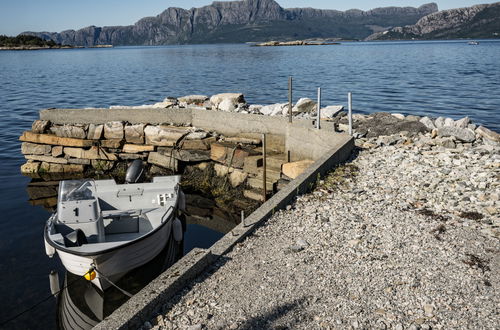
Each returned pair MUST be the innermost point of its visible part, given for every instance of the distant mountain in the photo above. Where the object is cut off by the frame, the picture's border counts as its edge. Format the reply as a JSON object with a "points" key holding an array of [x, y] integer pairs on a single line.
{"points": [[476, 22], [242, 21]]}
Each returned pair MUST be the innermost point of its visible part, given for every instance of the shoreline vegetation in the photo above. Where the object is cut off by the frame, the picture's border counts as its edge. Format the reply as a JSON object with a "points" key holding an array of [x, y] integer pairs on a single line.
{"points": [[26, 42]]}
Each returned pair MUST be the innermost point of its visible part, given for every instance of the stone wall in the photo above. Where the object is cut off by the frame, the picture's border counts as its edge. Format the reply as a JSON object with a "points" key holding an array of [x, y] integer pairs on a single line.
{"points": [[101, 147]]}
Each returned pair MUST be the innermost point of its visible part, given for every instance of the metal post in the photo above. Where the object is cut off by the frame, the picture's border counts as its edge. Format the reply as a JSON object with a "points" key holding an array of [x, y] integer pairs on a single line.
{"points": [[243, 218], [318, 119], [264, 167], [349, 103], [290, 82]]}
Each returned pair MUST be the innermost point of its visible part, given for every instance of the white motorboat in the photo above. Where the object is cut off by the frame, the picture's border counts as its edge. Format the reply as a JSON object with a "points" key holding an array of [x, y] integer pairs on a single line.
{"points": [[102, 230], [474, 43]]}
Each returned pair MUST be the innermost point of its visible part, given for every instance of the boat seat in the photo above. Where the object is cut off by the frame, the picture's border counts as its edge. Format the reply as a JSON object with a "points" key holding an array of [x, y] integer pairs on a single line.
{"points": [[75, 238]]}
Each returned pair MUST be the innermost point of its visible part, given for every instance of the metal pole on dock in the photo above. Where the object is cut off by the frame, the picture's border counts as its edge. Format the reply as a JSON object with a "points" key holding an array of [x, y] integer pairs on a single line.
{"points": [[349, 104], [318, 119], [290, 82], [264, 167]]}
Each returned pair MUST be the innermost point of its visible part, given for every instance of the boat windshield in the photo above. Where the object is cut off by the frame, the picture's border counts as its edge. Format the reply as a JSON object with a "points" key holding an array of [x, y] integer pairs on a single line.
{"points": [[76, 190]]}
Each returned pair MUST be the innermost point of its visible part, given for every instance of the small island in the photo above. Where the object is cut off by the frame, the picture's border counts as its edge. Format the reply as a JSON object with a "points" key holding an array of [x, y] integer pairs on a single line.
{"points": [[26, 42], [296, 43]]}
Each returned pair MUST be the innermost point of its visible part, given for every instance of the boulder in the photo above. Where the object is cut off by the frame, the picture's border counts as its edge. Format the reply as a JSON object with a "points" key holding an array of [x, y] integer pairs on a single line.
{"points": [[194, 145], [40, 126], [69, 131], [274, 109], [227, 105], [78, 161], [294, 169], [113, 130], [135, 133], [30, 167], [61, 168], [167, 103], [439, 122], [185, 155], [399, 116], [111, 144], [196, 135], [230, 154], [163, 161], [448, 122], [164, 136], [428, 123], [28, 148], [331, 111], [237, 177], [193, 99], [243, 140], [462, 134], [232, 100], [57, 151], [125, 156], [488, 134], [95, 132], [463, 123], [304, 105], [412, 118], [254, 108]]}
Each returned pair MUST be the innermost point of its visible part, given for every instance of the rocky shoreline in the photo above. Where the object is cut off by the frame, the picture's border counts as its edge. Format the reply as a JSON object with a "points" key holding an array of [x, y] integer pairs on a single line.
{"points": [[404, 236]]}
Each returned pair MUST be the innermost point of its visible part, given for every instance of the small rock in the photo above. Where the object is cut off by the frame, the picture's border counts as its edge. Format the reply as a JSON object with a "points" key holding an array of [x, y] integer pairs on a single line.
{"points": [[428, 309], [304, 105], [398, 116], [448, 122], [428, 123], [412, 118], [463, 123]]}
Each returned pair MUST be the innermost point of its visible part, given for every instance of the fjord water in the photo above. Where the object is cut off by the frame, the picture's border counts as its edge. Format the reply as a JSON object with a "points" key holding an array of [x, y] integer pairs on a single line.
{"points": [[423, 78]]}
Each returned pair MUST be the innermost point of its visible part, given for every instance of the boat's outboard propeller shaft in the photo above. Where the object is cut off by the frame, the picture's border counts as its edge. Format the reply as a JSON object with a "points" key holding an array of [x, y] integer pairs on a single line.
{"points": [[134, 172]]}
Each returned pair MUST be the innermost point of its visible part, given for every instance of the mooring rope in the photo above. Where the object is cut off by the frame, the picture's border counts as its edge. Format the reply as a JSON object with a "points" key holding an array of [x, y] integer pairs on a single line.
{"points": [[110, 282], [4, 322]]}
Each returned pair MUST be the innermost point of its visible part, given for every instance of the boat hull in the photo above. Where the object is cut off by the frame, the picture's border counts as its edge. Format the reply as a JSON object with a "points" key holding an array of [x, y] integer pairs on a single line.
{"points": [[115, 264]]}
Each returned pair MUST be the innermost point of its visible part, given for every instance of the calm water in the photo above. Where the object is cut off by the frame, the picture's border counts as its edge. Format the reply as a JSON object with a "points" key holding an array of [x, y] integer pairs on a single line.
{"points": [[431, 78]]}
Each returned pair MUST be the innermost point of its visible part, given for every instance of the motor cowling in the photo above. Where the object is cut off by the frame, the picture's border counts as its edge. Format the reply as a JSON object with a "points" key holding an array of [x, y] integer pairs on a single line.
{"points": [[134, 172]]}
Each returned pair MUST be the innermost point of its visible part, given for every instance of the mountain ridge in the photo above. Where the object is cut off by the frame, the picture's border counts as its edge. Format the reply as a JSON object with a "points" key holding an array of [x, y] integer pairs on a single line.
{"points": [[242, 21], [479, 21]]}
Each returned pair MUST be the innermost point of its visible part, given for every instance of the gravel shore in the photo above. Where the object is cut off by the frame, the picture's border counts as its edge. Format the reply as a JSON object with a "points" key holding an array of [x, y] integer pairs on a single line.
{"points": [[403, 236]]}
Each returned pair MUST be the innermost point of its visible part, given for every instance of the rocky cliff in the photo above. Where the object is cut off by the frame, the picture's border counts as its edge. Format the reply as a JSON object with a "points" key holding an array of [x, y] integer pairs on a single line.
{"points": [[242, 21], [480, 21]]}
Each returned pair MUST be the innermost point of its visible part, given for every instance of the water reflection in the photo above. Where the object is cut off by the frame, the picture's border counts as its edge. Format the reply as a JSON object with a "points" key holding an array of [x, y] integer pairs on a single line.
{"points": [[80, 305]]}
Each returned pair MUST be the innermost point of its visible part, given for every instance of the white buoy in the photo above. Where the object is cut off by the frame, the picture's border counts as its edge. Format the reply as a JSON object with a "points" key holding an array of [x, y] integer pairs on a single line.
{"points": [[54, 283], [177, 230]]}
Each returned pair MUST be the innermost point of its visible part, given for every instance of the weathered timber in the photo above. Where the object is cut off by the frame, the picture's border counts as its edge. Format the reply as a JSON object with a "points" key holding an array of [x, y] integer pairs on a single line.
{"points": [[134, 148], [48, 159], [54, 140], [92, 153]]}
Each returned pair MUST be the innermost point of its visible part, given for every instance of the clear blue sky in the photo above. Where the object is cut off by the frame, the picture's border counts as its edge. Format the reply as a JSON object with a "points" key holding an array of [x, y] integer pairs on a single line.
{"points": [[56, 15]]}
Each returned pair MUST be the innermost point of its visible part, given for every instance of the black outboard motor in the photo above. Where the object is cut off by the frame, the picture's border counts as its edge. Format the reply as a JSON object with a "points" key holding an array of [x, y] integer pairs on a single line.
{"points": [[134, 172]]}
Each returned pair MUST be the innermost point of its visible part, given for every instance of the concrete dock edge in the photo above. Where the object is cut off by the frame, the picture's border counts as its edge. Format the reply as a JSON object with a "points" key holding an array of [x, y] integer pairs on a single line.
{"points": [[149, 301]]}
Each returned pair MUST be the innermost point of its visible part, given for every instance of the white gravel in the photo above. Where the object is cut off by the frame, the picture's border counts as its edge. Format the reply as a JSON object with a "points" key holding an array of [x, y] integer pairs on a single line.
{"points": [[382, 243]]}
